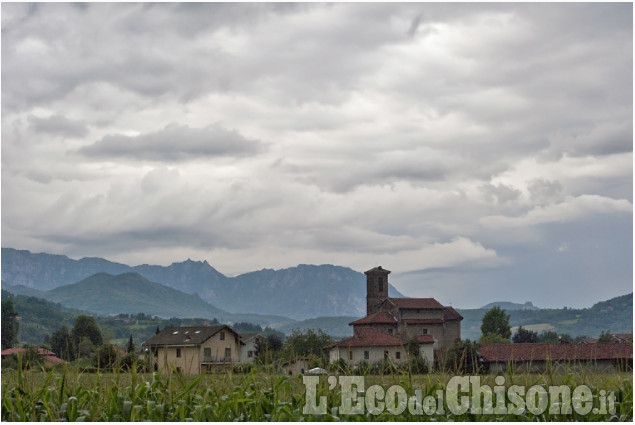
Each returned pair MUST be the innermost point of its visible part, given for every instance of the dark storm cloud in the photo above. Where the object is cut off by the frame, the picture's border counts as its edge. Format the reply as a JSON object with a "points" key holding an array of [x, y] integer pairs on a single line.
{"points": [[58, 125], [175, 143]]}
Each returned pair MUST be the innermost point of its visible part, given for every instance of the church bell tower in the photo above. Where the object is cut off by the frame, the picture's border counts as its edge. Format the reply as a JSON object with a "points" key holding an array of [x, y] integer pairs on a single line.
{"points": [[376, 288]]}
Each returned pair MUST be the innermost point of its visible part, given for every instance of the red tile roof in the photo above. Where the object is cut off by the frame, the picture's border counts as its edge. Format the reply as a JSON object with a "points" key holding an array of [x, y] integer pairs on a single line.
{"points": [[622, 338], [48, 355], [379, 318], [369, 337], [615, 339], [450, 314], [416, 303], [425, 339], [555, 352], [378, 268], [40, 351]]}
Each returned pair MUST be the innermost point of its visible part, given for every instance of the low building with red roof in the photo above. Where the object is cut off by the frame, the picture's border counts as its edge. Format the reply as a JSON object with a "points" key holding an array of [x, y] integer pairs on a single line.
{"points": [[540, 356], [47, 355]]}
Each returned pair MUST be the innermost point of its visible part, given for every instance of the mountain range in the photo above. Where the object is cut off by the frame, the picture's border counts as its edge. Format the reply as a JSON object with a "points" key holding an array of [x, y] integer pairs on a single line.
{"points": [[301, 292], [303, 297]]}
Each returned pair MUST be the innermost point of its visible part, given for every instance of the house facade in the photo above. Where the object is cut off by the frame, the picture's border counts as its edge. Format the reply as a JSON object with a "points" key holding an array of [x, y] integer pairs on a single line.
{"points": [[249, 346], [194, 349], [392, 323]]}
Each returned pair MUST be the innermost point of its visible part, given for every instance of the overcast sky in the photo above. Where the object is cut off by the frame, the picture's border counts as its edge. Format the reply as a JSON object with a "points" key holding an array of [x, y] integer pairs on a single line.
{"points": [[479, 151]]}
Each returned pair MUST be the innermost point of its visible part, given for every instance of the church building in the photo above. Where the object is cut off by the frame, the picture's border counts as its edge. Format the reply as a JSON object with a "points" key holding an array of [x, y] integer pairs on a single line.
{"points": [[391, 323]]}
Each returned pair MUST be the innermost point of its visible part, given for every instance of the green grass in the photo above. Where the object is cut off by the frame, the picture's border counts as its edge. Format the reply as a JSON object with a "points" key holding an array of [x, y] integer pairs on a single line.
{"points": [[68, 395]]}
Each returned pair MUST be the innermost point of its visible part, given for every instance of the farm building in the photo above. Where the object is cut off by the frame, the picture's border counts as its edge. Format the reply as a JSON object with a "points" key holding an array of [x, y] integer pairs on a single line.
{"points": [[538, 357]]}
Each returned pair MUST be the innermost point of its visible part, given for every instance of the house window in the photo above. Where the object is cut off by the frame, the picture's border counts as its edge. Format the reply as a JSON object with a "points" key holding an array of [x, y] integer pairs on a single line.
{"points": [[178, 352], [250, 354], [350, 355], [385, 355], [222, 336], [380, 281], [366, 355], [207, 354], [398, 355], [228, 352], [424, 331], [390, 331]]}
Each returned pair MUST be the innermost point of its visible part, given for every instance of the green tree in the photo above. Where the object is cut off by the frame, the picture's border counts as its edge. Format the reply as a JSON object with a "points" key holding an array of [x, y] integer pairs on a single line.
{"points": [[496, 322], [548, 336], [524, 335], [130, 349], [493, 339], [86, 327], [85, 348], [554, 338], [309, 343], [10, 324], [267, 348], [605, 336], [62, 344], [463, 358], [105, 357]]}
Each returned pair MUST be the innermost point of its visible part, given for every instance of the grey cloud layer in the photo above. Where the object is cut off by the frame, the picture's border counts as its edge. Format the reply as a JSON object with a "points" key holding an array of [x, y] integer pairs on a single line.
{"points": [[266, 135], [174, 143]]}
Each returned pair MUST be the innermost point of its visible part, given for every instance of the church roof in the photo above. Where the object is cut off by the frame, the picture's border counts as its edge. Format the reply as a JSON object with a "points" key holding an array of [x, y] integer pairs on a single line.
{"points": [[377, 269], [379, 318], [451, 314], [416, 303], [369, 337]]}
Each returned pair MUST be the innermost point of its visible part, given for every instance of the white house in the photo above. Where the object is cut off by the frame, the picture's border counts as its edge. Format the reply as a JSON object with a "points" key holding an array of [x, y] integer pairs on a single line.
{"points": [[250, 346]]}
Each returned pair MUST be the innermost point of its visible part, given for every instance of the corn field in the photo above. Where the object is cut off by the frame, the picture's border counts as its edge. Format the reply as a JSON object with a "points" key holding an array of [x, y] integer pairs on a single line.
{"points": [[260, 395]]}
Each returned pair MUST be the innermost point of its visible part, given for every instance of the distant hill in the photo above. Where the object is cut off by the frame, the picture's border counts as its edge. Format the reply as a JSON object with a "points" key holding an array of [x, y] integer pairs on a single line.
{"points": [[38, 317], [106, 294], [131, 293], [298, 292], [506, 305], [23, 290], [615, 315]]}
